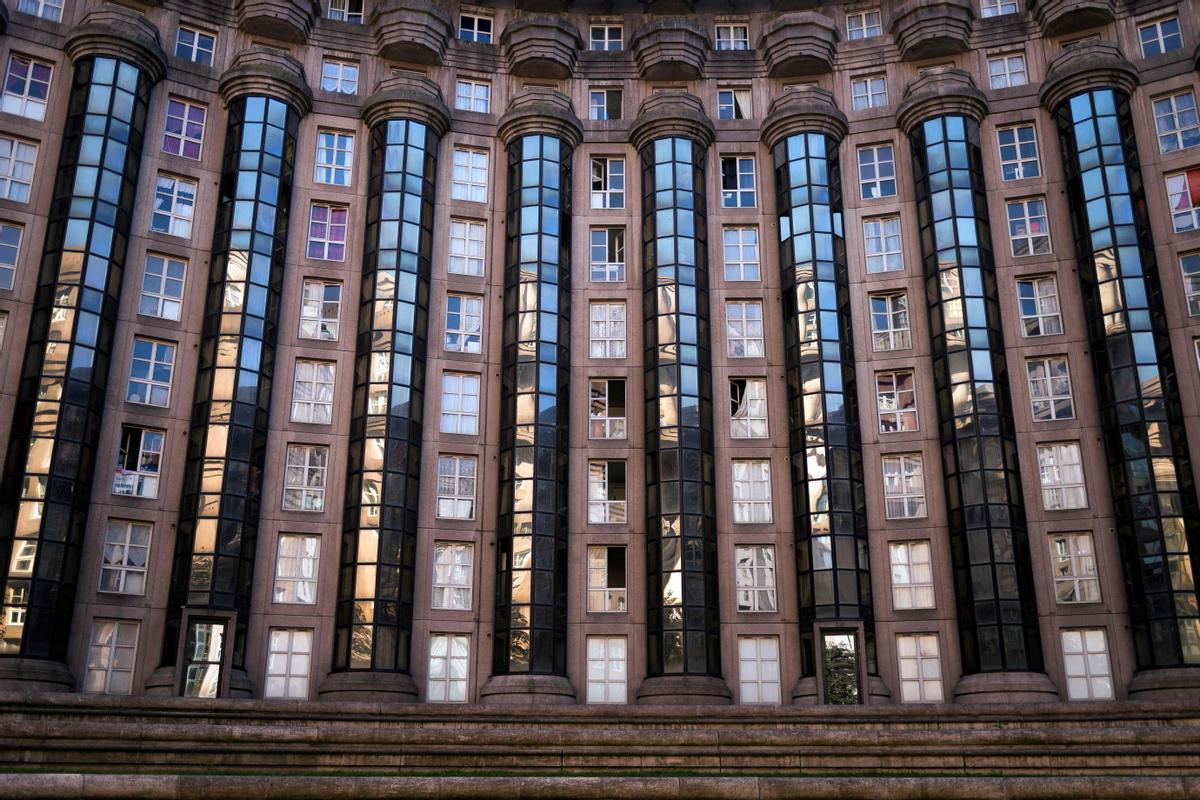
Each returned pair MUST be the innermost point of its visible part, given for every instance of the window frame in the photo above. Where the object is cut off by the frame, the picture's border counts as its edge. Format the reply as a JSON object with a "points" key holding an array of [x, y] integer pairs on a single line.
{"points": [[745, 335], [115, 558], [1073, 567], [898, 337], [1160, 39], [738, 247], [109, 663], [292, 586], [1006, 76], [27, 100], [752, 497], [467, 247], [605, 103], [441, 684], [755, 579], [474, 31], [609, 271], [144, 453], [743, 408], [1039, 317], [912, 577], [606, 479], [471, 100], [601, 672], [311, 406], [929, 688], [456, 402], [8, 269], [346, 14], [608, 335], [291, 655], [875, 188], [20, 167], [1023, 228], [458, 334], [883, 244], [602, 596], [315, 465], [332, 168], [1052, 397], [340, 76], [1191, 211], [606, 40], [321, 323], [185, 135], [1178, 132], [1086, 650], [448, 584], [901, 416], [461, 479], [736, 36], [868, 91], [905, 486], [163, 302], [610, 426], [755, 689], [1018, 167], [151, 381], [195, 48], [739, 195], [865, 26], [610, 195], [465, 184], [173, 187], [1054, 493]]}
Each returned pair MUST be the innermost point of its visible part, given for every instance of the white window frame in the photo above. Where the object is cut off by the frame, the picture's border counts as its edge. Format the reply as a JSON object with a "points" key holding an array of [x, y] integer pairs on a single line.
{"points": [[602, 597], [740, 249], [904, 486], [1184, 217], [125, 557], [473, 95], [1015, 161], [1086, 664], [289, 663], [297, 568], [883, 244], [1073, 567], [607, 241], [457, 475], [744, 192], [467, 253], [754, 578], [162, 287], [18, 162], [758, 670], [605, 103], [732, 36], [891, 324], [752, 500], [607, 668], [24, 103], [1029, 229], [1046, 311], [919, 662], [140, 482], [608, 182], [10, 249], [1159, 39], [313, 383], [748, 408], [864, 24], [912, 574], [734, 102], [453, 576], [1189, 272], [111, 659], [471, 27], [306, 476], [460, 403], [1176, 121], [345, 11], [1062, 478], [872, 182], [1007, 70], [608, 502], [195, 52], [184, 136], [1050, 396], [600, 424], [44, 9], [331, 245], [607, 329], [606, 39], [339, 76], [744, 331], [868, 91], [333, 163], [895, 402], [180, 208], [469, 178], [315, 322], [163, 355], [996, 8], [464, 324], [449, 668], [3, 326]]}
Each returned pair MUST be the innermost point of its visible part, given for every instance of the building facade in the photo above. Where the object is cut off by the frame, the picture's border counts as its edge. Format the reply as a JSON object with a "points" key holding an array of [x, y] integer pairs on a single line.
{"points": [[818, 353]]}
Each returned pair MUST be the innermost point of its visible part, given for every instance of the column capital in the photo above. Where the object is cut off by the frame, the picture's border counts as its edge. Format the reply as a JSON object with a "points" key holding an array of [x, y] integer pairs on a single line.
{"points": [[940, 90], [802, 109], [540, 109], [407, 95], [1087, 65], [671, 112], [265, 70], [118, 32]]}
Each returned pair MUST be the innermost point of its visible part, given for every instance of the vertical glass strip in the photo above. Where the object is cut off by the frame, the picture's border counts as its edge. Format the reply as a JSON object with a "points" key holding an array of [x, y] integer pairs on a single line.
{"points": [[531, 579], [682, 615], [379, 537], [1149, 468], [989, 542], [57, 420], [227, 446], [828, 492]]}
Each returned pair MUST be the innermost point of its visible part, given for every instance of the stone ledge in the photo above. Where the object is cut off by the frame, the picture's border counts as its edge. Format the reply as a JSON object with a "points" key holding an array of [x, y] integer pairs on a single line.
{"points": [[541, 46], [286, 20], [803, 43], [671, 49], [932, 28], [416, 31], [1061, 17], [1086, 66]]}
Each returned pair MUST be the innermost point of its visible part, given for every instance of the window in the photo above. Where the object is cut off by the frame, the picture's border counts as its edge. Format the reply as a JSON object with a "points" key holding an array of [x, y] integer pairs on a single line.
{"points": [[863, 25], [470, 175], [319, 309], [605, 37], [869, 91], [46, 9], [1062, 476], [3, 326], [839, 667], [606, 492], [195, 46], [452, 573], [996, 8], [312, 392], [10, 247], [174, 205], [912, 575], [606, 579], [741, 253], [904, 486], [1160, 36], [1189, 267], [335, 158], [473, 96], [608, 182], [449, 655], [744, 328], [755, 578], [1028, 228], [1183, 194], [1007, 71], [327, 232], [296, 562], [475, 28], [26, 87], [606, 415], [876, 171], [139, 458], [920, 668], [346, 11], [304, 477], [112, 654], [456, 487], [737, 182], [467, 247], [162, 287], [288, 657], [17, 161], [606, 335], [126, 548], [733, 104], [758, 669], [1085, 661], [889, 322], [1073, 564], [183, 131], [751, 491], [1018, 152], [896, 400], [202, 655], [339, 76], [747, 408], [460, 403], [1176, 122], [1050, 388], [733, 37], [881, 238], [604, 104], [464, 323], [606, 669], [150, 369], [607, 255], [1038, 299]]}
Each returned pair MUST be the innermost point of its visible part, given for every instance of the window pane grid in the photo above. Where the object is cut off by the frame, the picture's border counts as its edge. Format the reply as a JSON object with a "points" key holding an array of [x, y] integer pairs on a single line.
{"points": [[607, 330], [1050, 388], [755, 578], [889, 322], [452, 575], [456, 487], [1062, 476], [744, 329], [1040, 313], [904, 487], [296, 560], [751, 491], [1073, 564], [17, 161], [912, 575], [304, 478]]}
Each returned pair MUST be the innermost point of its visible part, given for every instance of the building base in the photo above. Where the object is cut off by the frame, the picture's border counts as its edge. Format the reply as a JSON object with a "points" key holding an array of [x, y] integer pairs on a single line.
{"points": [[371, 687], [1005, 687], [1172, 685], [34, 675], [527, 690], [161, 682], [684, 690]]}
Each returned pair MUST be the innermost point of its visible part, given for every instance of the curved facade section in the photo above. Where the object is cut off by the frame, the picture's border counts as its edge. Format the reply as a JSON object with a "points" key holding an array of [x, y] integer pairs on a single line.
{"points": [[58, 417], [1141, 409]]}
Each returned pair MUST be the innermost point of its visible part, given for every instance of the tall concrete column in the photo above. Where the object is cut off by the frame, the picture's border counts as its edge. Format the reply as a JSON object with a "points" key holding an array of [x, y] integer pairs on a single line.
{"points": [[1141, 412], [46, 490], [529, 656], [989, 540]]}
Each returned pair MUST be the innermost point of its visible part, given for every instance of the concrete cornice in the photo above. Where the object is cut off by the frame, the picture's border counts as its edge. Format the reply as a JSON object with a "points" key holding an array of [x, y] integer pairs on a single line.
{"points": [[266, 71], [1086, 66], [671, 112], [407, 95], [802, 109], [938, 91], [540, 110], [118, 32]]}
